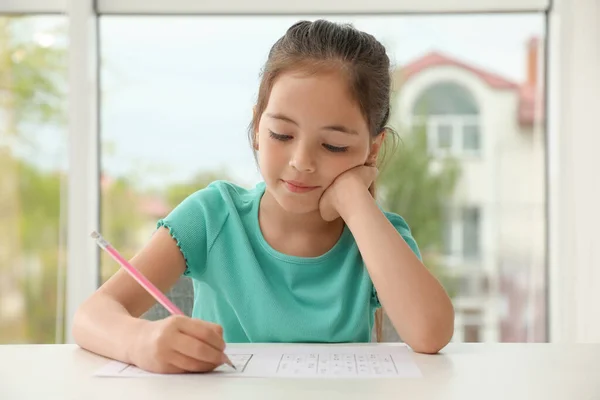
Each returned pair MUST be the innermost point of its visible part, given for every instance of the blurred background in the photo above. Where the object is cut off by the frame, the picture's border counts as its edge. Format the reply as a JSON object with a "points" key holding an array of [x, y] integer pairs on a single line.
{"points": [[175, 99]]}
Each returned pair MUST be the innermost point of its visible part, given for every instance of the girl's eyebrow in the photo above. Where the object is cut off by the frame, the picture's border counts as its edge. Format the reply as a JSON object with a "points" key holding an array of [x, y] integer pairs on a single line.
{"points": [[338, 128]]}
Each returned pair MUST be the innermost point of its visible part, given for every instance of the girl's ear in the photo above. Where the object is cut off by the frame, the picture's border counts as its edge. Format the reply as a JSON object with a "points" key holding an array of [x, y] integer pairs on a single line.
{"points": [[375, 147]]}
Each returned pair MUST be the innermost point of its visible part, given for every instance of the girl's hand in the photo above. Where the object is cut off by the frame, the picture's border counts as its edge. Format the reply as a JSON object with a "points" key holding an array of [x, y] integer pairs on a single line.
{"points": [[343, 187], [179, 344]]}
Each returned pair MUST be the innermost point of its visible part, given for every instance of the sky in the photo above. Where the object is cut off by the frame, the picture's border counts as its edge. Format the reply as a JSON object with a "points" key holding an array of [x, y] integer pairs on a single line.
{"points": [[177, 92]]}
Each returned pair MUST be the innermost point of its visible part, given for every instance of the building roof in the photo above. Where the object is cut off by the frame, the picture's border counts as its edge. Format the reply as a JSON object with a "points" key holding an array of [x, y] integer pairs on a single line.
{"points": [[528, 96], [437, 59]]}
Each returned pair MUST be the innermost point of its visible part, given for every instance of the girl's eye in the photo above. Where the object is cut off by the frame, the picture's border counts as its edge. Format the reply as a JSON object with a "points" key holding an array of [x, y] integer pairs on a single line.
{"points": [[284, 138], [335, 149], [277, 136]]}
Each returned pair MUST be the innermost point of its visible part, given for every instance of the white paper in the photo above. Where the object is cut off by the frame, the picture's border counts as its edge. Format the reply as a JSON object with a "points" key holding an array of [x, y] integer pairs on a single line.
{"points": [[301, 361]]}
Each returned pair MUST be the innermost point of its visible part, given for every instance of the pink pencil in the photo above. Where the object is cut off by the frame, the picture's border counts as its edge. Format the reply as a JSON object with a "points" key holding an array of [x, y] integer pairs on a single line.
{"points": [[135, 274], [141, 279]]}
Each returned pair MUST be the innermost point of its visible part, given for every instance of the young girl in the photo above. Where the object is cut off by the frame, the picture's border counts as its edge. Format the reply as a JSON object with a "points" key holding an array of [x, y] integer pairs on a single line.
{"points": [[305, 256]]}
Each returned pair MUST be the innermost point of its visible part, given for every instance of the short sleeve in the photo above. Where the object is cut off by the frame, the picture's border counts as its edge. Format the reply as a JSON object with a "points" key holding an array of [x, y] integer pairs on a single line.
{"points": [[190, 225], [404, 230]]}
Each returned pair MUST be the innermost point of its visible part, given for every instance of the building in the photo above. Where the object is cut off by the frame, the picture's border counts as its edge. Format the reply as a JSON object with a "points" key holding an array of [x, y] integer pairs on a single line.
{"points": [[495, 230]]}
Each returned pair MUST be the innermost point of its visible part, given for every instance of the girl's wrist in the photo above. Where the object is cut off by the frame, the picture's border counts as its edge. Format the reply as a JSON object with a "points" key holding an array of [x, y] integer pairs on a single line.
{"points": [[138, 325], [351, 197]]}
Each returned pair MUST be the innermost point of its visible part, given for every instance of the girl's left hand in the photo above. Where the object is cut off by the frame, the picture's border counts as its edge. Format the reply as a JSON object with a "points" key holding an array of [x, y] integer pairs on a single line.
{"points": [[343, 187]]}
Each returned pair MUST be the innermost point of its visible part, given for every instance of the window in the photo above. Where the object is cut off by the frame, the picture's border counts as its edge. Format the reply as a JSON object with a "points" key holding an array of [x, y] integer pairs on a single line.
{"points": [[447, 233], [471, 233], [184, 86], [32, 178], [444, 136], [471, 141], [462, 234], [446, 98], [441, 30], [452, 135], [450, 113], [472, 333]]}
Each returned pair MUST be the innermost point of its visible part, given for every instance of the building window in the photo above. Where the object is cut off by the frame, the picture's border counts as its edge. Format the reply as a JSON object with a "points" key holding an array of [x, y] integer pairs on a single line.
{"points": [[471, 222], [455, 135], [472, 334], [446, 98], [447, 231], [450, 114], [471, 138], [444, 136], [462, 234]]}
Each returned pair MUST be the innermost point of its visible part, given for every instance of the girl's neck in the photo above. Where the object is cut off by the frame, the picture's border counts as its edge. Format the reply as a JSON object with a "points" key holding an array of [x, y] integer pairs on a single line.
{"points": [[273, 214], [314, 235]]}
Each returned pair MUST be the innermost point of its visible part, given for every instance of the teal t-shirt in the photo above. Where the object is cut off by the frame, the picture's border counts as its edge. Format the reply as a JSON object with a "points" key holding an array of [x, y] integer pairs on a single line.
{"points": [[260, 295]]}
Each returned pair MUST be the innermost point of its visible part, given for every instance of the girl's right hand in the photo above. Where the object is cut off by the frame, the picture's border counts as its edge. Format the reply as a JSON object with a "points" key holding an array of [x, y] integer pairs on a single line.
{"points": [[178, 344]]}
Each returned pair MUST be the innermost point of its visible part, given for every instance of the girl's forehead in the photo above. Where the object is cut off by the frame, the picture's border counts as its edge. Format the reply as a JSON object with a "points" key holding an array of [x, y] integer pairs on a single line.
{"points": [[329, 90]]}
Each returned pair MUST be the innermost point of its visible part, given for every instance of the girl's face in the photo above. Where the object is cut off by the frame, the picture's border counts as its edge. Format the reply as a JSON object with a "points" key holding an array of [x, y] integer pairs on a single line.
{"points": [[310, 132]]}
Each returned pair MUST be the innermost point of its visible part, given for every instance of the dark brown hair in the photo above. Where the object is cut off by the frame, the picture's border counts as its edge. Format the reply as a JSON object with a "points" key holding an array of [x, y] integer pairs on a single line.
{"points": [[323, 46]]}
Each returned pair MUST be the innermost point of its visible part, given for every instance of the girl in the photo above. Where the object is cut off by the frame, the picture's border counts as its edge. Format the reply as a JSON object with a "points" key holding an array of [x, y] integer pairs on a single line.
{"points": [[305, 256]]}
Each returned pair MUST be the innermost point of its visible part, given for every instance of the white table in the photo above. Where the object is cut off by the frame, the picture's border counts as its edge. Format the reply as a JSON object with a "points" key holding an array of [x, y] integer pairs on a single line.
{"points": [[461, 371]]}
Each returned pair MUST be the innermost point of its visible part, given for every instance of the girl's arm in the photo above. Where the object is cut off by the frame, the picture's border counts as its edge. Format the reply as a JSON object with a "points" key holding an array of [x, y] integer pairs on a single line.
{"points": [[107, 323], [414, 300]]}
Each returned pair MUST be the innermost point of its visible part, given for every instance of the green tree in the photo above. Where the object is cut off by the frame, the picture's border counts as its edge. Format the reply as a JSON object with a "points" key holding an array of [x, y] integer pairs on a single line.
{"points": [[176, 193], [121, 221], [418, 186], [121, 217], [42, 250], [32, 93], [126, 224]]}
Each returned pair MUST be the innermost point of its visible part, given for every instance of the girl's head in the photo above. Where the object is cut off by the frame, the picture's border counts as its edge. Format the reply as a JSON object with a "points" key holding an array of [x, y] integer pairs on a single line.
{"points": [[322, 108]]}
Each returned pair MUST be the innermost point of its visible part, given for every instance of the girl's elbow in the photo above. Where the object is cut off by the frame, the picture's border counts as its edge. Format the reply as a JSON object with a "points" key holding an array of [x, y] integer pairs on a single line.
{"points": [[435, 339], [429, 346], [77, 327], [82, 323]]}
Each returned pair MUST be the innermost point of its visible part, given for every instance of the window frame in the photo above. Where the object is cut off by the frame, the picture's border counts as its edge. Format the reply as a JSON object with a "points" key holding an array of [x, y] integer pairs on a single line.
{"points": [[571, 67], [275, 7], [457, 123]]}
